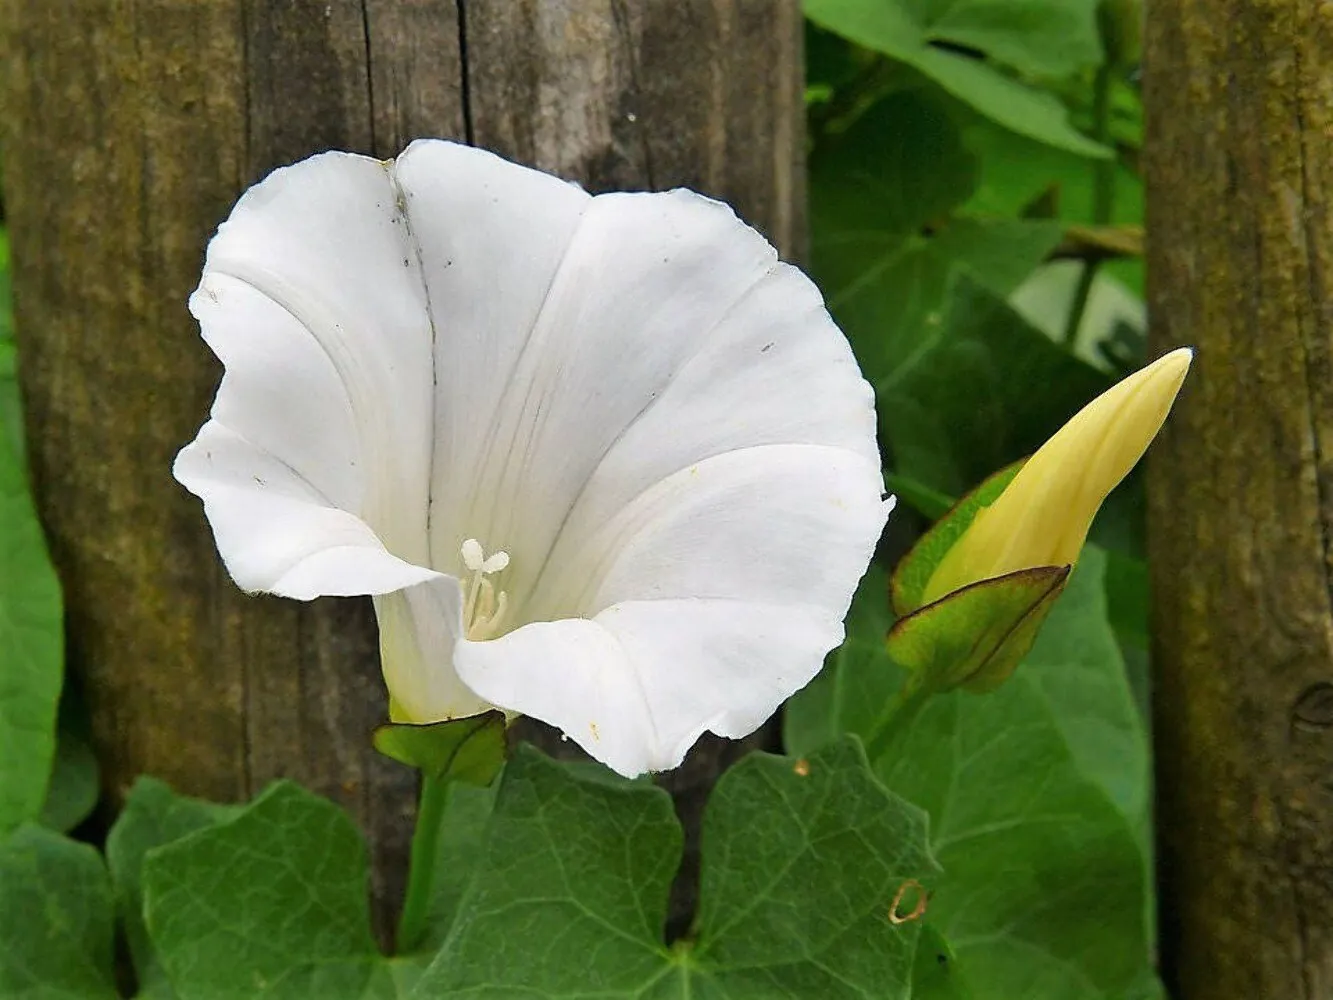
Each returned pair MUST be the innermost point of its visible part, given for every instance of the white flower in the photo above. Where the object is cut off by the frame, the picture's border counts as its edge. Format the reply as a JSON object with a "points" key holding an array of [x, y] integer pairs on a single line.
{"points": [[602, 461]]}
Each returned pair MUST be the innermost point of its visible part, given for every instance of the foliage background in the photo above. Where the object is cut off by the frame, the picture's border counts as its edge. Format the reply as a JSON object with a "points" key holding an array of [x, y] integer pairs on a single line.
{"points": [[975, 209]]}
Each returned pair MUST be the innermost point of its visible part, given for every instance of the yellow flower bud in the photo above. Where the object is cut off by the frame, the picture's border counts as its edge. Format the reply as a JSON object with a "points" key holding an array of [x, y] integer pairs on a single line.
{"points": [[1043, 515]]}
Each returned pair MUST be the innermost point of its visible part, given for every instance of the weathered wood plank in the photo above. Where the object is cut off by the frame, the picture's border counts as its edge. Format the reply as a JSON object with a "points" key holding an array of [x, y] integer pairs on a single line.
{"points": [[624, 95], [129, 130], [1239, 163]]}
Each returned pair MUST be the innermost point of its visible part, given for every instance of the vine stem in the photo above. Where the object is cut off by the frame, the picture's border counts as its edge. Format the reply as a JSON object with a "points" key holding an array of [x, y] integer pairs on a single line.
{"points": [[905, 708], [421, 866], [1103, 195]]}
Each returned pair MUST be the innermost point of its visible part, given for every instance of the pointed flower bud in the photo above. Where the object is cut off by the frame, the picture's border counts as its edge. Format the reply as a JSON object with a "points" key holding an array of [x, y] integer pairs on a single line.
{"points": [[1043, 515]]}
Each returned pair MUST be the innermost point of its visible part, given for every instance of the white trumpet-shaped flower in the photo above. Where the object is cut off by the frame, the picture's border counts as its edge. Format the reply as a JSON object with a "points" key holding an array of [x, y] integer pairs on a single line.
{"points": [[603, 461]]}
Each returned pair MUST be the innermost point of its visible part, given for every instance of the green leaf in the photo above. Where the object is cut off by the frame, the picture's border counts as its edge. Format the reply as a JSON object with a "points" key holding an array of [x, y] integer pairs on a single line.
{"points": [[900, 165], [964, 405], [1039, 37], [280, 914], [154, 815], [1031, 113], [803, 910], [849, 694], [1127, 597], [830, 60], [349, 979], [1076, 663], [875, 189], [73, 790], [897, 30], [872, 189], [1045, 889], [570, 900], [56, 919], [471, 750], [233, 908], [32, 645], [912, 574], [996, 254], [1013, 171], [462, 841], [935, 973], [974, 638], [1127, 605]]}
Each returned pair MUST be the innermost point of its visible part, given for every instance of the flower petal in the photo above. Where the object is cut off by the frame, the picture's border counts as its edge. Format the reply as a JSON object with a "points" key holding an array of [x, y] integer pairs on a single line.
{"points": [[491, 236], [788, 524], [650, 425], [276, 532], [776, 372], [719, 665], [271, 359], [419, 628], [312, 296], [571, 674], [561, 319], [637, 685], [718, 593], [635, 335]]}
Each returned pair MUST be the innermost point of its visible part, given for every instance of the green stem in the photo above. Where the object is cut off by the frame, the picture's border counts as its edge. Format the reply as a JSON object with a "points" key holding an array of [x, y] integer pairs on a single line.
{"points": [[421, 868], [906, 707], [1103, 195]]}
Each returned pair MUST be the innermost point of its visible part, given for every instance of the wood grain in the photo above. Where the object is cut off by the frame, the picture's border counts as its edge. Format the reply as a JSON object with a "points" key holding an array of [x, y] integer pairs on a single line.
{"points": [[130, 127], [1239, 164], [624, 95]]}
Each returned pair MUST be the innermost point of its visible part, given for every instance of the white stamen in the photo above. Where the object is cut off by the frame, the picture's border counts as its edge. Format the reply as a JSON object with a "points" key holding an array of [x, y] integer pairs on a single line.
{"points": [[483, 607], [489, 627], [474, 557]]}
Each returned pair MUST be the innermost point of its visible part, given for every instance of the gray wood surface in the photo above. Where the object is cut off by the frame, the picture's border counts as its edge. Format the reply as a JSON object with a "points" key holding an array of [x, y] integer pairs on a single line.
{"points": [[129, 128]]}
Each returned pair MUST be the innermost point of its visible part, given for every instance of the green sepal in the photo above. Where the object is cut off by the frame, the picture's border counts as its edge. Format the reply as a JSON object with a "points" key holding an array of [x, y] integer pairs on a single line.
{"points": [[470, 750], [975, 638], [914, 570]]}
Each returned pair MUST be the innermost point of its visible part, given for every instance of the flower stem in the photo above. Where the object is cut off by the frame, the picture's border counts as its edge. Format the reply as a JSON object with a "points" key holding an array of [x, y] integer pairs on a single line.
{"points": [[1103, 194], [421, 867], [904, 710]]}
